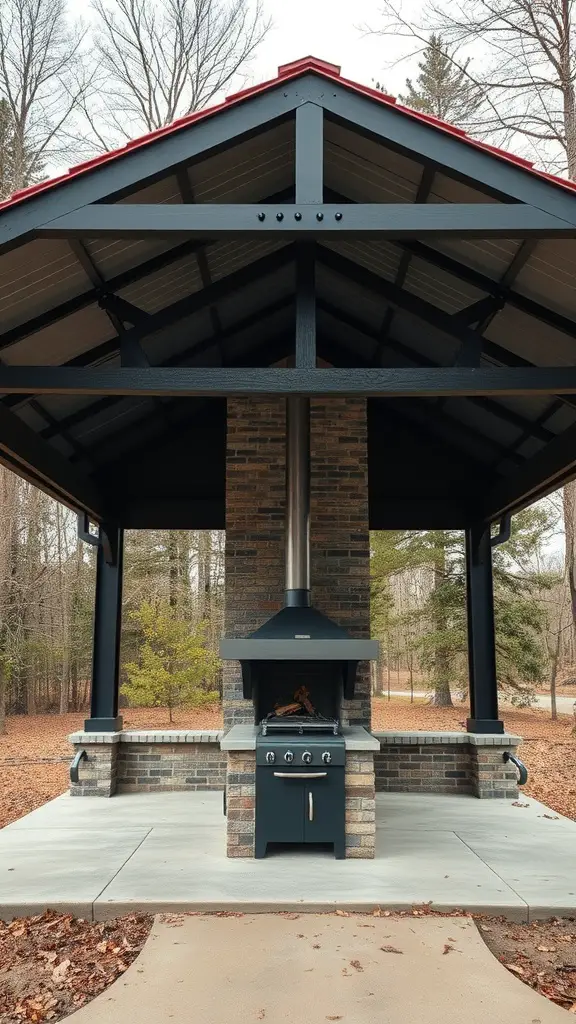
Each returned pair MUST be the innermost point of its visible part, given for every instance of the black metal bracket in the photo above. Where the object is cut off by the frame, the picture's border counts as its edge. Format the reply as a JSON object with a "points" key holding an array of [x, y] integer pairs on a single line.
{"points": [[522, 769], [503, 531], [80, 756], [106, 538], [84, 530]]}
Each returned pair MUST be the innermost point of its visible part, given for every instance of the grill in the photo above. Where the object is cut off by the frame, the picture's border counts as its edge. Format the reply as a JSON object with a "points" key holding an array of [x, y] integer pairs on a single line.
{"points": [[300, 724], [300, 784]]}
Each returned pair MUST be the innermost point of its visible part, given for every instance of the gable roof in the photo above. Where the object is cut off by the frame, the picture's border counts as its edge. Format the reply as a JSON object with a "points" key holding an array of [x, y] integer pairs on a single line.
{"points": [[286, 72], [230, 302]]}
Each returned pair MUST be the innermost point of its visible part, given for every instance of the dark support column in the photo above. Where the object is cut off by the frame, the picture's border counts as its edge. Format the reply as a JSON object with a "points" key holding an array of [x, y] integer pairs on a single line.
{"points": [[107, 621], [481, 644]]}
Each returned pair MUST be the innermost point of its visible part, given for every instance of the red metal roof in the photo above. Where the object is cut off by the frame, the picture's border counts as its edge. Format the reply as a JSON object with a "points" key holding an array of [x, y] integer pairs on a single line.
{"points": [[285, 73]]}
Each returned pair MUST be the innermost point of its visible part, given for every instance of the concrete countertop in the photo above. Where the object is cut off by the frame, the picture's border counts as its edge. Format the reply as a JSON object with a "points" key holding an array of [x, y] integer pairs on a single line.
{"points": [[243, 737]]}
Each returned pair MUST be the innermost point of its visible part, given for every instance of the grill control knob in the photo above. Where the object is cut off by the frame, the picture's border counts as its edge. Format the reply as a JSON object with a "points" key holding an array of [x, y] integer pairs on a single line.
{"points": [[289, 756], [307, 757], [270, 756], [326, 757]]}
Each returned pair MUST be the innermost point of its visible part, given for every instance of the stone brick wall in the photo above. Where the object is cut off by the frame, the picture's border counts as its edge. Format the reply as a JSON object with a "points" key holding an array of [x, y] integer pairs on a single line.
{"points": [[446, 763], [424, 769], [255, 502], [141, 762], [240, 803], [360, 805], [144, 767]]}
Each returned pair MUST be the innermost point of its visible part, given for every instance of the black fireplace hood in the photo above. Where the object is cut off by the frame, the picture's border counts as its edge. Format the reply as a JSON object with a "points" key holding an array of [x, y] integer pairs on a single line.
{"points": [[299, 632]]}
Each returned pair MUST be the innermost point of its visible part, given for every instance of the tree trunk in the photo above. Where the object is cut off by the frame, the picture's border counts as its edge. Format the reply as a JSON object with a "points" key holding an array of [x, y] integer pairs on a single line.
{"points": [[442, 661], [569, 510]]}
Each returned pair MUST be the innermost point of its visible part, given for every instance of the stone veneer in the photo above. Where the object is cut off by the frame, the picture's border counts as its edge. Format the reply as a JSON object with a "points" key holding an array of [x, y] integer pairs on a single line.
{"points": [[360, 805], [419, 762], [240, 803], [142, 762], [255, 503]]}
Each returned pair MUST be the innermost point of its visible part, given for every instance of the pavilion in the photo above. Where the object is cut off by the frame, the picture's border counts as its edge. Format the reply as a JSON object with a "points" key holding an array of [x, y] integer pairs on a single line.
{"points": [[307, 236]]}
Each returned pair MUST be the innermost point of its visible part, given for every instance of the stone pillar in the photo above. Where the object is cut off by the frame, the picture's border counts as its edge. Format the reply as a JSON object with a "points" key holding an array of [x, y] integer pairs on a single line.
{"points": [[97, 771], [255, 503], [240, 803], [360, 805], [492, 777]]}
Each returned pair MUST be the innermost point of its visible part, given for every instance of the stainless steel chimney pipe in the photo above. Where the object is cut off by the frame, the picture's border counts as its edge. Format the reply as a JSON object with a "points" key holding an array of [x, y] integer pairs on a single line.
{"points": [[297, 502]]}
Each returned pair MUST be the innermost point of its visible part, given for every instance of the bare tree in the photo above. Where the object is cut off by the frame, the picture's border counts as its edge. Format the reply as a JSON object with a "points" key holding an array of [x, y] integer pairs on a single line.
{"points": [[162, 59], [42, 77], [521, 54]]}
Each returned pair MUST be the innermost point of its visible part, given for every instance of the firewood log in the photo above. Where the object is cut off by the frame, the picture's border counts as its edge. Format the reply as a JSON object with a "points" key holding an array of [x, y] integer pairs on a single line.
{"points": [[288, 709], [302, 695]]}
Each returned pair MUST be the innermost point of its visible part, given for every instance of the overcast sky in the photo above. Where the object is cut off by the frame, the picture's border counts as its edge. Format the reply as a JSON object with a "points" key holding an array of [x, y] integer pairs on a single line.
{"points": [[330, 29]]}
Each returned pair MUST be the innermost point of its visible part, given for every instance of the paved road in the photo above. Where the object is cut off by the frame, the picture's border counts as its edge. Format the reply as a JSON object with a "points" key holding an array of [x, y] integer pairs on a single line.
{"points": [[565, 705], [304, 967]]}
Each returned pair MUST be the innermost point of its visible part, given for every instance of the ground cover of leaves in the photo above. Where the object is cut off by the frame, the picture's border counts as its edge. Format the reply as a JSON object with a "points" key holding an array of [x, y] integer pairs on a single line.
{"points": [[541, 954], [50, 965]]}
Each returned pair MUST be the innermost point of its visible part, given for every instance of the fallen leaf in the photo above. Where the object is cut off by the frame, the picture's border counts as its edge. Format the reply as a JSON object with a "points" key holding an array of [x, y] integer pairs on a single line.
{"points": [[447, 948], [552, 817], [356, 965], [261, 1014], [59, 972], [572, 1009], [315, 945], [517, 803], [391, 949], [337, 1017], [102, 946], [49, 956], [515, 969], [342, 913], [546, 949]]}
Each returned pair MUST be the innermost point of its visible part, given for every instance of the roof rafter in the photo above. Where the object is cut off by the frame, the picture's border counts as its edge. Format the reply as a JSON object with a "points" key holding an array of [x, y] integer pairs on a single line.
{"points": [[494, 408]]}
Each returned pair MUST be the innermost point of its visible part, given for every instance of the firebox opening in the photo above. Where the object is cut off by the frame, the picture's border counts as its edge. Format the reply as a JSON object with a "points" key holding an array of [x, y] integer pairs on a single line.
{"points": [[276, 684]]}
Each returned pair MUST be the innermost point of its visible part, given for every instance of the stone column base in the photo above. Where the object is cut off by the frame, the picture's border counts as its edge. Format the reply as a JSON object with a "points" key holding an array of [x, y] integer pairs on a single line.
{"points": [[240, 803], [97, 771], [493, 777], [360, 805]]}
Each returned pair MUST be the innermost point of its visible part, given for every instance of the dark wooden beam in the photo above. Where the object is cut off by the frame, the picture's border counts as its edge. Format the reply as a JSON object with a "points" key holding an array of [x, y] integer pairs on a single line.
{"points": [[372, 382], [306, 306], [496, 409], [499, 289], [309, 169], [376, 220], [549, 469], [24, 451]]}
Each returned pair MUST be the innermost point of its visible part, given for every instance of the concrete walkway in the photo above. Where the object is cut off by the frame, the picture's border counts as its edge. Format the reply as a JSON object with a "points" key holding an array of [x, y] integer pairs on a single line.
{"points": [[313, 969], [98, 857], [564, 705]]}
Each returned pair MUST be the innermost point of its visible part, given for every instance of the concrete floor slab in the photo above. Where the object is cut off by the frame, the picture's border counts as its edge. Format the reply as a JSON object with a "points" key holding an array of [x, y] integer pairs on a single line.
{"points": [[545, 879], [172, 870], [61, 868], [316, 969], [167, 851]]}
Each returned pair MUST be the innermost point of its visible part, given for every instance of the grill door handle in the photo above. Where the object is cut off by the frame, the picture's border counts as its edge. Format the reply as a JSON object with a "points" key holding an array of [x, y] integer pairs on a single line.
{"points": [[310, 806], [300, 775]]}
